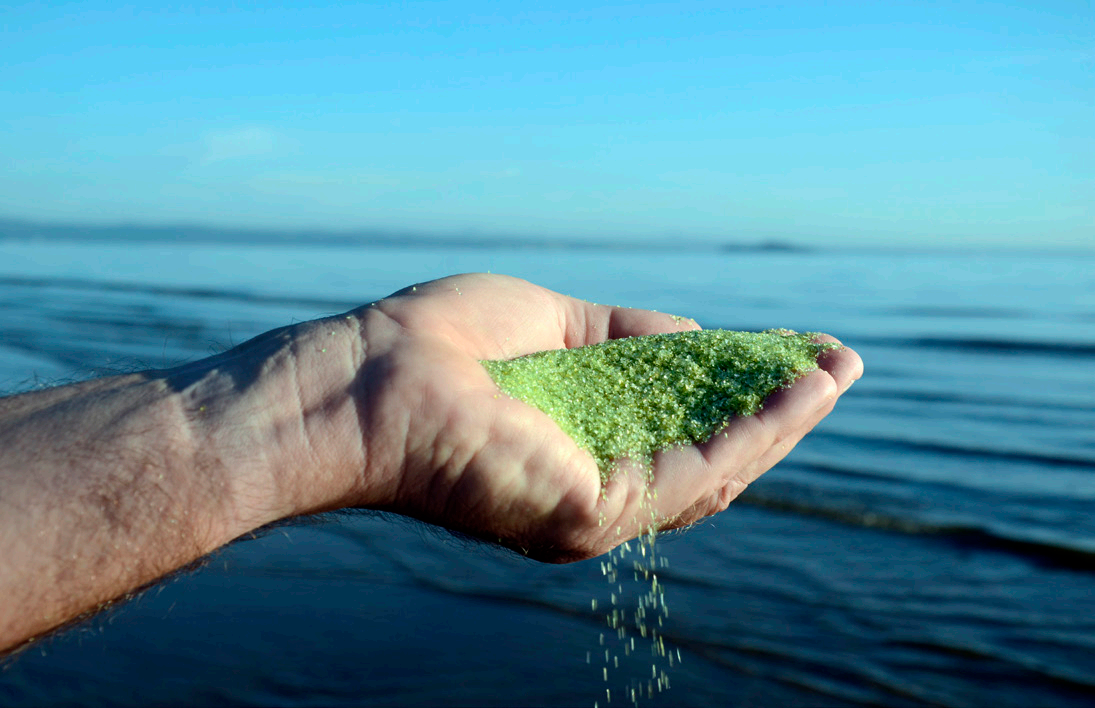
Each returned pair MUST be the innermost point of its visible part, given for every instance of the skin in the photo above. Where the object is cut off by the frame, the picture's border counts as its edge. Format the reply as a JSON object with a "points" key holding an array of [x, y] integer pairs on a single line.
{"points": [[107, 485]]}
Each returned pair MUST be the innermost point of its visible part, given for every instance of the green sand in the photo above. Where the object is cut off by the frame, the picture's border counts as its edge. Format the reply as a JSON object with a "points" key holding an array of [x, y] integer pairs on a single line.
{"points": [[635, 396]]}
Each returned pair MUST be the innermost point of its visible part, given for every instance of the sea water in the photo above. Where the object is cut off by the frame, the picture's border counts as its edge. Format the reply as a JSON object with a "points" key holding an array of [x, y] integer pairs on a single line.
{"points": [[932, 542]]}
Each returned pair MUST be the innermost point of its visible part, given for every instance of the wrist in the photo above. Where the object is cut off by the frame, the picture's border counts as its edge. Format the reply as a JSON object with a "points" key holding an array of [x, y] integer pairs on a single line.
{"points": [[275, 420]]}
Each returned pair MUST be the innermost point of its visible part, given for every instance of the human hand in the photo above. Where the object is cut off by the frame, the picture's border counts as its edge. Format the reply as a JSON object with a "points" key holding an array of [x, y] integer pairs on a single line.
{"points": [[442, 444], [120, 480]]}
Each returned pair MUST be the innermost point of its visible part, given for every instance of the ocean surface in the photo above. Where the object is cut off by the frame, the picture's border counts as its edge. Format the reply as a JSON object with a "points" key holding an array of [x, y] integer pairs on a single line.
{"points": [[932, 542]]}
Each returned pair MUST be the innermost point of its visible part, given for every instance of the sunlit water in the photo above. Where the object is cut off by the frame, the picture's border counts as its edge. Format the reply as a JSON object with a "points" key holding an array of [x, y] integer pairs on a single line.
{"points": [[932, 542]]}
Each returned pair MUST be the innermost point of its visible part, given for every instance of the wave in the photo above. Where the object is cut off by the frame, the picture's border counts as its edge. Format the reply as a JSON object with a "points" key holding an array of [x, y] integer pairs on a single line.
{"points": [[962, 451], [1030, 527], [959, 312], [169, 291], [972, 536], [920, 396], [984, 345]]}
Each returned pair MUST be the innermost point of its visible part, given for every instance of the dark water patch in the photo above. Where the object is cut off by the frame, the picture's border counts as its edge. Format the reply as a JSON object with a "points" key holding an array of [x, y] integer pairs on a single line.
{"points": [[799, 591], [1040, 421], [79, 284], [141, 320], [960, 312], [842, 474], [822, 683], [968, 312], [995, 347], [89, 327], [1015, 633], [1042, 553], [79, 358], [922, 396], [111, 338], [896, 446], [1042, 669]]}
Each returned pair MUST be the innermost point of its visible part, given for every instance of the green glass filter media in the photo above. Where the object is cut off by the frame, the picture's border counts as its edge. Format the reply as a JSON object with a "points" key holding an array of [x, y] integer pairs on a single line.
{"points": [[631, 398], [635, 396]]}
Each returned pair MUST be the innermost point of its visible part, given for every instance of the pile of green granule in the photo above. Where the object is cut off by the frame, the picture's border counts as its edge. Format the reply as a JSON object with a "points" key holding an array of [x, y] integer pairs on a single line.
{"points": [[635, 396]]}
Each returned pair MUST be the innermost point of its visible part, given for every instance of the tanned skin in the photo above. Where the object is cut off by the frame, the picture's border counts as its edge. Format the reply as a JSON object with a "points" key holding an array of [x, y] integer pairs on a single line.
{"points": [[108, 485]]}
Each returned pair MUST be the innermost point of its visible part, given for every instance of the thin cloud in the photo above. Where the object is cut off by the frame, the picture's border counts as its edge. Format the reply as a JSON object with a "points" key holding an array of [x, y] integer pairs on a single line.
{"points": [[252, 141]]}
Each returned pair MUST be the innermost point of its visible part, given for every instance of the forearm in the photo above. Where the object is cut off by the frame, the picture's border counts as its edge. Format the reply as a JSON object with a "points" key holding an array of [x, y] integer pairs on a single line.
{"points": [[93, 498], [109, 484]]}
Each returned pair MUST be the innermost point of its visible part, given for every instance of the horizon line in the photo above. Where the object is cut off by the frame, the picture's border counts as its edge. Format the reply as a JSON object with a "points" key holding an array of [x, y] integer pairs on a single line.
{"points": [[29, 230]]}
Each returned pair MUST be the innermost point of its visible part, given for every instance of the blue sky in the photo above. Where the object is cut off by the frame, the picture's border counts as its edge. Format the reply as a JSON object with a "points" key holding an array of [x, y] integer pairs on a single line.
{"points": [[951, 123]]}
